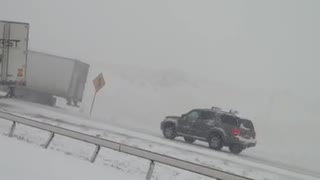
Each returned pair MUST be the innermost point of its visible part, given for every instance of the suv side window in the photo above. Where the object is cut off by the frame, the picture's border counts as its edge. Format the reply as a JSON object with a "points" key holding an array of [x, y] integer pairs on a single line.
{"points": [[206, 115], [193, 115]]}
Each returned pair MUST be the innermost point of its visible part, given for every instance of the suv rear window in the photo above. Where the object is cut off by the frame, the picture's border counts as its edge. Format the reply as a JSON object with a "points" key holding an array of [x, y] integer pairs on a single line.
{"points": [[231, 120], [247, 123]]}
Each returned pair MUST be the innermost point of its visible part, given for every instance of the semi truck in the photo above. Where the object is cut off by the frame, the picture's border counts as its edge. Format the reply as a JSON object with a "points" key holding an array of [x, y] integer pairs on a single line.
{"points": [[13, 52], [37, 76]]}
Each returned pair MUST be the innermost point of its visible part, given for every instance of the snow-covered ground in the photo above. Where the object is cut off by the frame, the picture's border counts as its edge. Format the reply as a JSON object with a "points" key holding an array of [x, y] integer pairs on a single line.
{"points": [[24, 161], [119, 162], [117, 165], [243, 165]]}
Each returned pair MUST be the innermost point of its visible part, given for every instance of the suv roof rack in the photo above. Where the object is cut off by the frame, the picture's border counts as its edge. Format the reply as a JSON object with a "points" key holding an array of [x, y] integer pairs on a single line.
{"points": [[220, 110], [215, 108], [235, 112]]}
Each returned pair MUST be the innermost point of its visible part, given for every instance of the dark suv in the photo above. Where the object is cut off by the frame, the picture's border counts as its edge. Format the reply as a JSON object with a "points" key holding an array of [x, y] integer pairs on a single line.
{"points": [[214, 126]]}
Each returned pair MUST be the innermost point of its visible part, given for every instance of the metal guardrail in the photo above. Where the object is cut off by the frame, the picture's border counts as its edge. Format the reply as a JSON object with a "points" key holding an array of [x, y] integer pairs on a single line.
{"points": [[142, 153]]}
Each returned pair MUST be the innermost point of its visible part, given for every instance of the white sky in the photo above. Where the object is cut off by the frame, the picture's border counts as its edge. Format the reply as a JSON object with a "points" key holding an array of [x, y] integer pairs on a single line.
{"points": [[270, 44]]}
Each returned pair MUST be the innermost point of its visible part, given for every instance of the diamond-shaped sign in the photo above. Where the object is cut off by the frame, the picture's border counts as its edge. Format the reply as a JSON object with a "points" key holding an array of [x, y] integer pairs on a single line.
{"points": [[99, 82]]}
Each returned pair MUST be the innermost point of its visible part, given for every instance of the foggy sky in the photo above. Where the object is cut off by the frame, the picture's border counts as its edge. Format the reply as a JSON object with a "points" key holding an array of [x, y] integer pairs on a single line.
{"points": [[270, 44]]}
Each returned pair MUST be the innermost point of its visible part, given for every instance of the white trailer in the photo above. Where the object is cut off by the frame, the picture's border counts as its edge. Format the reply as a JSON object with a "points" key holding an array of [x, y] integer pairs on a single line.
{"points": [[56, 75], [13, 52], [37, 76]]}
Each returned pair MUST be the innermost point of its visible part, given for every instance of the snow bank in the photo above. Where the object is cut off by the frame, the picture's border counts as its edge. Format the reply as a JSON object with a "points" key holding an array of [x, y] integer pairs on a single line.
{"points": [[20, 160]]}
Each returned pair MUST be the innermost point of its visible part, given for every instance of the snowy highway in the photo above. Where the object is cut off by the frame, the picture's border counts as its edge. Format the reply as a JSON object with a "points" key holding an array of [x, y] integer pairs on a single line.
{"points": [[109, 79], [245, 165]]}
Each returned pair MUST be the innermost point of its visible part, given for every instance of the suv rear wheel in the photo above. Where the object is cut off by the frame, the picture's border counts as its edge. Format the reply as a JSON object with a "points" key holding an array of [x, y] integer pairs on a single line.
{"points": [[169, 131], [215, 142], [235, 148], [189, 140]]}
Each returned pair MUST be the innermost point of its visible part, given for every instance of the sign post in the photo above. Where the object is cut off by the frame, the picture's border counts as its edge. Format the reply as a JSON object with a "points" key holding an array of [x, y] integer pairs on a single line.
{"points": [[94, 99], [98, 83]]}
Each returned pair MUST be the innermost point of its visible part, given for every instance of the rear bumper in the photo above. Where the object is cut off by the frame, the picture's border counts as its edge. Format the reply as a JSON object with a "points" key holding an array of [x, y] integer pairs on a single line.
{"points": [[246, 143], [250, 145]]}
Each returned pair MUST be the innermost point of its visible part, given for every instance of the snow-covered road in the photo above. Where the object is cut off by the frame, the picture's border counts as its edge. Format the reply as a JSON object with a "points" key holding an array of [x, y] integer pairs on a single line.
{"points": [[244, 165]]}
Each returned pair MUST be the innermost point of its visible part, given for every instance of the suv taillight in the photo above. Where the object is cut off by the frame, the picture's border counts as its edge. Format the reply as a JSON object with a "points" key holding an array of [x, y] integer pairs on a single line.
{"points": [[235, 131]]}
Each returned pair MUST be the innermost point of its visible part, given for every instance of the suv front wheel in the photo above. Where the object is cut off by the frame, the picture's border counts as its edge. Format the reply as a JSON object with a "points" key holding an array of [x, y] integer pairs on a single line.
{"points": [[215, 142], [169, 132]]}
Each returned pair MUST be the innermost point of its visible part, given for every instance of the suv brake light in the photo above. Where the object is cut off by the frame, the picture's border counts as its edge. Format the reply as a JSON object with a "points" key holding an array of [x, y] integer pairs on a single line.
{"points": [[235, 131]]}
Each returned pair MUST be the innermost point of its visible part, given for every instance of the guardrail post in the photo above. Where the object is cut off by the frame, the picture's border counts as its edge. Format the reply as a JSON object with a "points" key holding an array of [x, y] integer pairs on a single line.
{"points": [[95, 154], [150, 171], [49, 141], [13, 127]]}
